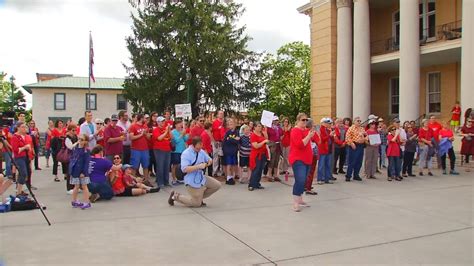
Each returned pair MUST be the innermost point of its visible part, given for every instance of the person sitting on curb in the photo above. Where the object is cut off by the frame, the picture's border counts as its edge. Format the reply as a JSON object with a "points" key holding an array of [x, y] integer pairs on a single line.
{"points": [[194, 160]]}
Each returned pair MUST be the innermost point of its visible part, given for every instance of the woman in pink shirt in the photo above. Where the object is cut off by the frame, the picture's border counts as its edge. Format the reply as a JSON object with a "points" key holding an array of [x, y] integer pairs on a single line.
{"points": [[300, 158], [393, 154], [446, 139]]}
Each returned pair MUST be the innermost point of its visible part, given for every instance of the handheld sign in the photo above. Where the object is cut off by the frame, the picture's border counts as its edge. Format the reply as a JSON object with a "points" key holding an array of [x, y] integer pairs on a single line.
{"points": [[267, 118], [183, 110]]}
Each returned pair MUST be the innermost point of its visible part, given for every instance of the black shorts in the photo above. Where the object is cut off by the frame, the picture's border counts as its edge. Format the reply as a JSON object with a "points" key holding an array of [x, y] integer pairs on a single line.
{"points": [[175, 158], [244, 161], [126, 193]]}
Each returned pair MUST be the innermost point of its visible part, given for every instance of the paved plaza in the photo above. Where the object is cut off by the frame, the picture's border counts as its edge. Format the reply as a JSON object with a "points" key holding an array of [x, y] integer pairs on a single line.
{"points": [[421, 220]]}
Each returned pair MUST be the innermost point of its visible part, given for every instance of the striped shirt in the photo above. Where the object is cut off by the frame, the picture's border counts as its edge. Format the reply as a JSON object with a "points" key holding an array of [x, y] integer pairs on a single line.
{"points": [[244, 146]]}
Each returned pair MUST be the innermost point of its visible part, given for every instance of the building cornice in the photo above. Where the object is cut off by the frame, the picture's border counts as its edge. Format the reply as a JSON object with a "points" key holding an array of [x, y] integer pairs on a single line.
{"points": [[343, 3], [306, 9]]}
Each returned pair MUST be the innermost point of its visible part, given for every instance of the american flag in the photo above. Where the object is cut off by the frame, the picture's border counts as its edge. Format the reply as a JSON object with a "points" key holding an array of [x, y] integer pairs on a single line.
{"points": [[91, 58]]}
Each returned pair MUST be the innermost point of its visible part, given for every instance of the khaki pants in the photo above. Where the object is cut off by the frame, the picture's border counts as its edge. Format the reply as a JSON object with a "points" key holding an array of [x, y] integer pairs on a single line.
{"points": [[371, 158], [285, 151], [196, 195]]}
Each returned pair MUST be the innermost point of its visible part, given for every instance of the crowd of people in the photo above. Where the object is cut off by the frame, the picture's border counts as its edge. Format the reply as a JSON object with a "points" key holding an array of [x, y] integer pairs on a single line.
{"points": [[133, 156]]}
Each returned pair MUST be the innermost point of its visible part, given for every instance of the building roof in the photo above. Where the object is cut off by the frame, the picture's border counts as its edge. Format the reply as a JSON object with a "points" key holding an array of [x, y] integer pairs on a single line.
{"points": [[77, 83]]}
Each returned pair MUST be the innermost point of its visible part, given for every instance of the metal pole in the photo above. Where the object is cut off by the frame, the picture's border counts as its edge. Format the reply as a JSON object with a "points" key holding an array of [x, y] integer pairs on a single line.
{"points": [[12, 78], [88, 98], [188, 85]]}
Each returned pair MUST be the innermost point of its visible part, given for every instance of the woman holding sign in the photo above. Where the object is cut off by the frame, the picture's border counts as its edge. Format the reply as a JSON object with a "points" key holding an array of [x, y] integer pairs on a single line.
{"points": [[372, 150]]}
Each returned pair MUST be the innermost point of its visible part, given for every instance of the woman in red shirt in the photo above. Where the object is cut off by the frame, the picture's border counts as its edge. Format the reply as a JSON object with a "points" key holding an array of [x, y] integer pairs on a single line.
{"points": [[467, 133], [47, 145], [258, 156], [426, 148], [285, 145], [393, 154], [162, 149], [57, 141], [446, 140], [300, 158], [21, 148], [371, 151]]}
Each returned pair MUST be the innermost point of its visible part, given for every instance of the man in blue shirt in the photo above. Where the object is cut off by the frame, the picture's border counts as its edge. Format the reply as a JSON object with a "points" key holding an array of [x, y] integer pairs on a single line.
{"points": [[193, 161]]}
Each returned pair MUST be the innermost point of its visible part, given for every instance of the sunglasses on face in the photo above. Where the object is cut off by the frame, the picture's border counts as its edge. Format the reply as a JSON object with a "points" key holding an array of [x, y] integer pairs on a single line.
{"points": [[116, 158], [202, 121], [359, 121], [304, 120], [99, 123]]}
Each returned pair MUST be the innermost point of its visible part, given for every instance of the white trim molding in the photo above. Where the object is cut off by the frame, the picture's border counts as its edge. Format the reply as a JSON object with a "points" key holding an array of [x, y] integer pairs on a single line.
{"points": [[305, 9]]}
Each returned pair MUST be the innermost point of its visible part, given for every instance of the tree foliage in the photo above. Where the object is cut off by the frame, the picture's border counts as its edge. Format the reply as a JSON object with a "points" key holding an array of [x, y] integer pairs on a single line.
{"points": [[19, 101], [284, 81], [173, 38]]}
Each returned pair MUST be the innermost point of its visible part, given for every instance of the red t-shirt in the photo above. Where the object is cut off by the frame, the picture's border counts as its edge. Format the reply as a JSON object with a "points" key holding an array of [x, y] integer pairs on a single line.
{"points": [[446, 133], [456, 113], [425, 134], [170, 123], [114, 148], [393, 148], [218, 130], [285, 141], [102, 141], [206, 142], [18, 142], [256, 153], [435, 127], [56, 133], [118, 187], [196, 131], [165, 143], [299, 151], [141, 143]]}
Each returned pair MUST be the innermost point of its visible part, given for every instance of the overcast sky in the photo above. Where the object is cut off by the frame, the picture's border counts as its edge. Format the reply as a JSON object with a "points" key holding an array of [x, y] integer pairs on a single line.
{"points": [[51, 36]]}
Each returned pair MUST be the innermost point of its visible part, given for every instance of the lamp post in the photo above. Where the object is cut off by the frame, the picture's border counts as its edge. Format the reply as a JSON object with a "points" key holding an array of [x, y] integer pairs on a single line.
{"points": [[12, 79], [189, 85]]}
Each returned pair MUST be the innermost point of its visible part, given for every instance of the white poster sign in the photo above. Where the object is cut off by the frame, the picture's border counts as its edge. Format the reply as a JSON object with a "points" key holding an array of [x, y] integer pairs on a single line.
{"points": [[183, 110], [374, 139], [267, 118]]}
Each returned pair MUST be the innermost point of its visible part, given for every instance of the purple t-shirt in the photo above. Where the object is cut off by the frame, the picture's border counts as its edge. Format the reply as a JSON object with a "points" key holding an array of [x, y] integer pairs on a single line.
{"points": [[274, 133], [97, 169], [114, 148]]}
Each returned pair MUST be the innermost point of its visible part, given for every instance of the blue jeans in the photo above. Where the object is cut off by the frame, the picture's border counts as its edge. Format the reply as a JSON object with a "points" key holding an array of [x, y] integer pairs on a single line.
{"points": [[394, 163], [24, 170], [383, 154], [324, 167], [162, 167], [300, 170], [103, 189], [256, 175], [355, 161], [8, 163]]}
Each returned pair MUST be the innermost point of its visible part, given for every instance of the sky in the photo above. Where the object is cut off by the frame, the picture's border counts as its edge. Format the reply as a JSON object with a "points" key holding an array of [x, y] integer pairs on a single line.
{"points": [[52, 36]]}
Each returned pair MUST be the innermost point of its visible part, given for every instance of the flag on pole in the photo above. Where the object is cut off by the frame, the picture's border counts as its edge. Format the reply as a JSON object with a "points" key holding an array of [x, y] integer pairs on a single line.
{"points": [[91, 58]]}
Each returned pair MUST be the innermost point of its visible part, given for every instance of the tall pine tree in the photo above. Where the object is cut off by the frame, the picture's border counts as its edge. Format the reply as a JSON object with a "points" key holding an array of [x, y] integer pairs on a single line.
{"points": [[194, 44]]}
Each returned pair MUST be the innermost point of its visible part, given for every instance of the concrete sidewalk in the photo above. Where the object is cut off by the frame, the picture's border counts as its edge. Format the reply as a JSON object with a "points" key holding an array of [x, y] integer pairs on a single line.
{"points": [[421, 220]]}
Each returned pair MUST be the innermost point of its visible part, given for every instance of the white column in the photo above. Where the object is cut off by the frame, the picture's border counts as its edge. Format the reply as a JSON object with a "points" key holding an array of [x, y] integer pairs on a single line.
{"points": [[409, 60], [344, 59], [361, 86], [467, 56]]}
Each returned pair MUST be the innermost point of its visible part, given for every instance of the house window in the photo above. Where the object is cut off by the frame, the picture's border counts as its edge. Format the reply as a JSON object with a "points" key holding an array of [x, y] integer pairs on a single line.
{"points": [[394, 96], [427, 27], [91, 101], [59, 101], [434, 92], [121, 102]]}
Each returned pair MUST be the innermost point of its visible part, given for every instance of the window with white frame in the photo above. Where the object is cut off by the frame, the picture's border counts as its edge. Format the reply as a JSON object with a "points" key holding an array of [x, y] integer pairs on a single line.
{"points": [[59, 101], [427, 27], [91, 101], [434, 93], [121, 102], [394, 96]]}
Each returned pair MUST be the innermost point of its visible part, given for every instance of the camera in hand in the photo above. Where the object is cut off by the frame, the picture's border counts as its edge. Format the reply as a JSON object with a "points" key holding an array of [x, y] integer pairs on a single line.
{"points": [[7, 118]]}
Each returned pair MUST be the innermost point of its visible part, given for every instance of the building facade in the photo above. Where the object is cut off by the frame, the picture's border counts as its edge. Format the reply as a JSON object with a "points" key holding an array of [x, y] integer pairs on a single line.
{"points": [[394, 58], [65, 97]]}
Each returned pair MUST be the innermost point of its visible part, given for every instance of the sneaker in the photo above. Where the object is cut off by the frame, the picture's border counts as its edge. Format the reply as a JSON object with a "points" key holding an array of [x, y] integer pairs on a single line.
{"points": [[430, 173], [171, 198], [320, 182], [69, 192], [94, 197], [277, 179], [420, 174], [180, 181], [453, 172], [76, 204], [154, 190], [389, 178], [445, 172], [358, 178], [175, 183], [328, 182], [342, 172], [333, 178], [86, 206], [230, 182]]}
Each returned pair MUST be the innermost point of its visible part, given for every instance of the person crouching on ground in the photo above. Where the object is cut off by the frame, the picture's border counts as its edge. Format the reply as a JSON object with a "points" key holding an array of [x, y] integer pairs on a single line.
{"points": [[133, 183], [79, 172], [193, 161], [100, 170]]}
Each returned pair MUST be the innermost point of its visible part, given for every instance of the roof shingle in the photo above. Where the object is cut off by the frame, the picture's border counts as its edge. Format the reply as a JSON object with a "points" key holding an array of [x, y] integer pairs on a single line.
{"points": [[78, 83]]}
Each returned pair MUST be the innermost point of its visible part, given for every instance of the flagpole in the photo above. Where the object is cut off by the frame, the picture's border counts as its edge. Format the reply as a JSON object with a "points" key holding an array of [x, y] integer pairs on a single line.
{"points": [[89, 76]]}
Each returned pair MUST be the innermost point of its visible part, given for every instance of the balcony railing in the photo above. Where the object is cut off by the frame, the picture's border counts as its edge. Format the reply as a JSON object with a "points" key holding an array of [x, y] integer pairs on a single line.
{"points": [[448, 31]]}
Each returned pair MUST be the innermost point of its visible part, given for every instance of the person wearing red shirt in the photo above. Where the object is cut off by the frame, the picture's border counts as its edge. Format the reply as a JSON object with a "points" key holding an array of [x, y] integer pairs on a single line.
{"points": [[456, 117], [139, 149], [206, 137], [218, 132], [6, 151], [34, 133], [326, 136], [339, 147], [198, 128], [371, 151], [113, 137], [435, 126], [285, 145], [21, 148], [168, 119], [426, 147], [446, 148], [47, 145], [152, 124], [315, 142], [258, 156], [99, 123], [162, 149], [57, 141], [300, 158], [393, 154]]}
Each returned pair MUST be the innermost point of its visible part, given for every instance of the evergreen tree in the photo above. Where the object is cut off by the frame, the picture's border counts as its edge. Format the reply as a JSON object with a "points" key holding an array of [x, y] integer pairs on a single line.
{"points": [[192, 45], [19, 102]]}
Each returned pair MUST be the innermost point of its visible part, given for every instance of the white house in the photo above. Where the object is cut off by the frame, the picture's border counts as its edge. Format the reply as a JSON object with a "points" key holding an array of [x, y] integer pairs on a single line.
{"points": [[64, 97]]}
